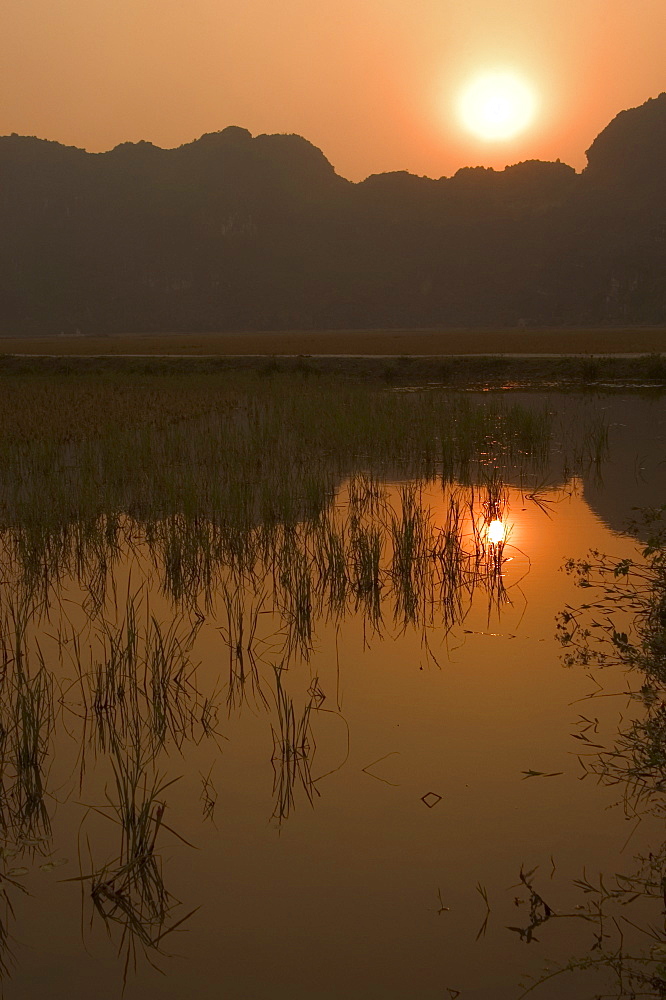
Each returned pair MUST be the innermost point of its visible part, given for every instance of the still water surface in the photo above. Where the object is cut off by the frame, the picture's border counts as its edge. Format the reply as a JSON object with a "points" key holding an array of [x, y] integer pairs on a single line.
{"points": [[337, 825]]}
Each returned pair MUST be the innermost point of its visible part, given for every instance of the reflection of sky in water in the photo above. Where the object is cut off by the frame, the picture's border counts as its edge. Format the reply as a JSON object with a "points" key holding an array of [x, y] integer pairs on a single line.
{"points": [[345, 893]]}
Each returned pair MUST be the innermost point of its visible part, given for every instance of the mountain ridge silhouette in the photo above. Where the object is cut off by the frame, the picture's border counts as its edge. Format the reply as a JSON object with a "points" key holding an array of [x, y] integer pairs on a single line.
{"points": [[232, 231]]}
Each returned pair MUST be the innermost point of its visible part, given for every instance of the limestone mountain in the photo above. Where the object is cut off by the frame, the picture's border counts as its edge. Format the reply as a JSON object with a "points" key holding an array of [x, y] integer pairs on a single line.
{"points": [[236, 232]]}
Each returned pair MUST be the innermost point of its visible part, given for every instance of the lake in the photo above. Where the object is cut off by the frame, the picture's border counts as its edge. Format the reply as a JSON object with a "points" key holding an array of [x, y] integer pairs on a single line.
{"points": [[286, 709]]}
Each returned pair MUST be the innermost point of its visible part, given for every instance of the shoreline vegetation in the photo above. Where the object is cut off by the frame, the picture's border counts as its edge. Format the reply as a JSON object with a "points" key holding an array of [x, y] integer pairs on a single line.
{"points": [[354, 342], [457, 359]]}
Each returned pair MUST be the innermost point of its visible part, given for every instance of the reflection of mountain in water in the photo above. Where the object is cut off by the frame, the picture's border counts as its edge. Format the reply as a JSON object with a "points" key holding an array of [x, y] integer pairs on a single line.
{"points": [[635, 473], [631, 472]]}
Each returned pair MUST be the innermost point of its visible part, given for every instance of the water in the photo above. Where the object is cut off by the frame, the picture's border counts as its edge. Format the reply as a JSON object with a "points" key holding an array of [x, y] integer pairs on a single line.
{"points": [[353, 765]]}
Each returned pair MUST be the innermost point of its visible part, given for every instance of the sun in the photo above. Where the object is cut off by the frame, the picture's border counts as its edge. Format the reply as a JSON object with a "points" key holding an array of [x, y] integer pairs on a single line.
{"points": [[496, 106]]}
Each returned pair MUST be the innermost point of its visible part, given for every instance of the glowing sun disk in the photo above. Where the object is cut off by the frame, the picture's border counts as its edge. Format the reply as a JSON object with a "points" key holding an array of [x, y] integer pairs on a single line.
{"points": [[497, 105]]}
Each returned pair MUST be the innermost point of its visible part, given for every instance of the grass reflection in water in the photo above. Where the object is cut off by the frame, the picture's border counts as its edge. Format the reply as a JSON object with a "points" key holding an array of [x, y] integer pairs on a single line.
{"points": [[260, 508]]}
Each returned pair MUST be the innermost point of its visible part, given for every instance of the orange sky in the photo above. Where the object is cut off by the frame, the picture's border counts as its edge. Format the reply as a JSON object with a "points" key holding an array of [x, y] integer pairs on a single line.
{"points": [[373, 83]]}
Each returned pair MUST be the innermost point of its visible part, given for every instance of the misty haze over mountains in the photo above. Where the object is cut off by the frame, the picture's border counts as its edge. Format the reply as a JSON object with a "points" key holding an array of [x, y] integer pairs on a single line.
{"points": [[234, 232]]}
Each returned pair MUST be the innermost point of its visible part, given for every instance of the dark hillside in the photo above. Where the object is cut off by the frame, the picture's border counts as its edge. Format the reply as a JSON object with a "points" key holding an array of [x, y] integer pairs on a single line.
{"points": [[235, 232]]}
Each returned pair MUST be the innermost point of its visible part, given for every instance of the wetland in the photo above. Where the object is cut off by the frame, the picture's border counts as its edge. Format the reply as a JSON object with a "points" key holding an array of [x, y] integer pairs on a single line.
{"points": [[315, 687]]}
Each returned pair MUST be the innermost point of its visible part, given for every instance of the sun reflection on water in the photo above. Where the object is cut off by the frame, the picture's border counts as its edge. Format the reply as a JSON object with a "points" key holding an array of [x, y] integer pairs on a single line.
{"points": [[496, 532]]}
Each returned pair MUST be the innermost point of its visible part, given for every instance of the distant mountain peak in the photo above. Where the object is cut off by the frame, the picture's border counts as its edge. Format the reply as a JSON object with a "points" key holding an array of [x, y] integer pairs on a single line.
{"points": [[232, 134], [633, 144]]}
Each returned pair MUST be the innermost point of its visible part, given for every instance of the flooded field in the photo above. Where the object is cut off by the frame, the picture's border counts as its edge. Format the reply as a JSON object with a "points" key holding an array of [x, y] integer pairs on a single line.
{"points": [[302, 695]]}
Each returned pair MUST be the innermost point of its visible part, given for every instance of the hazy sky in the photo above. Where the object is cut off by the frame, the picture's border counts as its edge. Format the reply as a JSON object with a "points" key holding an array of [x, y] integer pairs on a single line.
{"points": [[373, 83]]}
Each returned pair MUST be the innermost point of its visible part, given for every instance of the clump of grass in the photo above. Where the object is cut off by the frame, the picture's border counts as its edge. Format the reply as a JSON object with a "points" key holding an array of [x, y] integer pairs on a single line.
{"points": [[410, 533], [293, 749], [26, 724], [366, 551], [139, 676], [240, 634], [129, 892]]}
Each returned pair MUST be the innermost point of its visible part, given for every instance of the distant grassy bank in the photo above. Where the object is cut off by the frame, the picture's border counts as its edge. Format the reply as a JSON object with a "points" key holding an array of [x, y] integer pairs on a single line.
{"points": [[354, 342], [480, 371]]}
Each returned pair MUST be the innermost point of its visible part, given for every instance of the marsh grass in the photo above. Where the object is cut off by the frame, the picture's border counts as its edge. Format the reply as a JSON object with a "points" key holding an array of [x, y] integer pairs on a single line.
{"points": [[366, 550], [293, 748], [129, 893], [137, 675], [260, 505], [410, 535], [229, 473], [223, 453], [136, 692], [26, 725], [388, 560], [395, 559]]}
